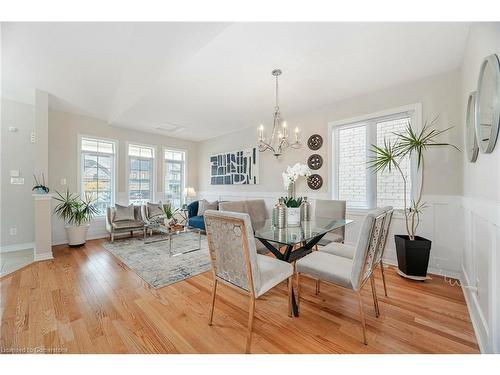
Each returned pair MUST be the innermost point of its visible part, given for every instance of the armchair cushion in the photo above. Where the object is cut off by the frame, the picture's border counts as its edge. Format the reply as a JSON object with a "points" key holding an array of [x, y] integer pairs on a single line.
{"points": [[154, 210], [197, 222], [328, 267], [123, 213], [127, 224]]}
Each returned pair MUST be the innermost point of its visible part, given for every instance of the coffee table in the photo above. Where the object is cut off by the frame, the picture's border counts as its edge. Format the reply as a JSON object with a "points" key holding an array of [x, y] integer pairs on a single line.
{"points": [[168, 235]]}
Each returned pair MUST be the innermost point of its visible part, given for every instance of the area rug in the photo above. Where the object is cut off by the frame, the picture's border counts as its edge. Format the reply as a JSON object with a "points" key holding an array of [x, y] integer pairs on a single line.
{"points": [[153, 263]]}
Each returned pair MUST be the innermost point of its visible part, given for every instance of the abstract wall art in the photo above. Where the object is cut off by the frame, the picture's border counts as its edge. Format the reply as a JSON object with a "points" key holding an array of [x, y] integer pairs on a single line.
{"points": [[235, 167]]}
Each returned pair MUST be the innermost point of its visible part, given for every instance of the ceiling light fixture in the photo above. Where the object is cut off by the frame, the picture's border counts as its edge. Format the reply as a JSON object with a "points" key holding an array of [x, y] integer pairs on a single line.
{"points": [[279, 137]]}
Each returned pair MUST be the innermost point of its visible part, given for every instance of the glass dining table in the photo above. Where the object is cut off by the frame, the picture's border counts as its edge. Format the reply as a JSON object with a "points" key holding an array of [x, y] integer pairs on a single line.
{"points": [[292, 243]]}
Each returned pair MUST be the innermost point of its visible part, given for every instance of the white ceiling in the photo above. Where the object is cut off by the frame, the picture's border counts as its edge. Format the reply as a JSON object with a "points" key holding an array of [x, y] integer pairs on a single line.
{"points": [[214, 78]]}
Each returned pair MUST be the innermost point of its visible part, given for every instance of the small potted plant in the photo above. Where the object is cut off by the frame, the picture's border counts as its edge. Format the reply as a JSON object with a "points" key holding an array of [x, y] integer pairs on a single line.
{"points": [[292, 211], [77, 213], [40, 187], [169, 214], [413, 251]]}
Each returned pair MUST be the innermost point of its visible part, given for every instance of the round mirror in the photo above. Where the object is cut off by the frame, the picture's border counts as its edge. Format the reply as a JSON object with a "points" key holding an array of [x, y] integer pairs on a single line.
{"points": [[470, 129], [488, 104]]}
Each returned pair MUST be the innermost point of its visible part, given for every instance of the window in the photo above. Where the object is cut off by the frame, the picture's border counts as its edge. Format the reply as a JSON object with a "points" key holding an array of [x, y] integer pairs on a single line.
{"points": [[352, 180], [97, 164], [175, 172], [141, 174]]}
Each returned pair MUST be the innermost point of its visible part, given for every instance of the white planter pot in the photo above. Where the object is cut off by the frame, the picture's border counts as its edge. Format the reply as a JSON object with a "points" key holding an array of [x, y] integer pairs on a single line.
{"points": [[293, 217], [167, 222], [77, 234]]}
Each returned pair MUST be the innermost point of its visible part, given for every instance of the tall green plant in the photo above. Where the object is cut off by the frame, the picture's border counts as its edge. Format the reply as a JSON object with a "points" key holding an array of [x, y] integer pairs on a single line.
{"points": [[74, 210], [407, 144]]}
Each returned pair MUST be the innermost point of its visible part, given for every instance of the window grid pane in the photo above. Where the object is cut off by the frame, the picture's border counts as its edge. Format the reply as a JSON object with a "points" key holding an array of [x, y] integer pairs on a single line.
{"points": [[352, 165], [390, 186], [140, 181], [97, 179], [174, 177]]}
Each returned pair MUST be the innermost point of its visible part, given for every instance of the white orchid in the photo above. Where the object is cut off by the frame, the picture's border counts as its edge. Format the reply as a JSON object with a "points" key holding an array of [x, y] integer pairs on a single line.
{"points": [[293, 173]]}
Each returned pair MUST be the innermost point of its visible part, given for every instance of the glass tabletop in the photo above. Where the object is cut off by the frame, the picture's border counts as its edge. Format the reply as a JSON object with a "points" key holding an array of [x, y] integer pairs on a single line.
{"points": [[293, 235]]}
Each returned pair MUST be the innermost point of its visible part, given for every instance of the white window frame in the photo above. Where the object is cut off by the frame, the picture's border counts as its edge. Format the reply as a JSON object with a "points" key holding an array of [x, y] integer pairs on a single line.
{"points": [[414, 111], [114, 164], [153, 177], [184, 177]]}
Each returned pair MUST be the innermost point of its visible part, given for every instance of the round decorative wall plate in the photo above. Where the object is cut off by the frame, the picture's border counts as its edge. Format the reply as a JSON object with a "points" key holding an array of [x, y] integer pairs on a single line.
{"points": [[315, 162], [315, 142], [315, 181]]}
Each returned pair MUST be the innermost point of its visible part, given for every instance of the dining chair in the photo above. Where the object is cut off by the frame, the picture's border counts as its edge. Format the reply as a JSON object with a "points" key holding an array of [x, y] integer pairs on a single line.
{"points": [[349, 273], [236, 263], [347, 251], [331, 209]]}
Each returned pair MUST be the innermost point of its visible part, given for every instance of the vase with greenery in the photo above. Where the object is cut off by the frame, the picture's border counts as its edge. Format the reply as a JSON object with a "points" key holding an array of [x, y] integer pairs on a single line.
{"points": [[76, 213], [292, 211], [413, 251]]}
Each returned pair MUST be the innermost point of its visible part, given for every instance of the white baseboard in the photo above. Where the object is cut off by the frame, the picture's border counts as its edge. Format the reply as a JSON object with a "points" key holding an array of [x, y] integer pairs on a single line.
{"points": [[475, 314], [17, 247], [41, 257]]}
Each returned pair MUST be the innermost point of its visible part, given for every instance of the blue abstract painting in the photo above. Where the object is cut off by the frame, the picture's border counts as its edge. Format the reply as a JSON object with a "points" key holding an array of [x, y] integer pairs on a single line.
{"points": [[235, 168]]}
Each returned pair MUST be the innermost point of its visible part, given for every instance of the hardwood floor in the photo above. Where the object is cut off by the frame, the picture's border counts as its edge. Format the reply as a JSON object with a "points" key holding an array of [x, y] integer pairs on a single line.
{"points": [[87, 301]]}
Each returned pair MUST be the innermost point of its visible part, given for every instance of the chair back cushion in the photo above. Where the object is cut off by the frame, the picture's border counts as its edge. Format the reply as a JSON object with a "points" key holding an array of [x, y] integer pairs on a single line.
{"points": [[331, 209], [232, 248], [123, 213], [193, 209], [385, 231], [366, 246]]}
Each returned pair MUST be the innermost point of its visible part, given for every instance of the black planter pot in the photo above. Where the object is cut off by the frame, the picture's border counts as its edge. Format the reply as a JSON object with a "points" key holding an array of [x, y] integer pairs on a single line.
{"points": [[413, 256]]}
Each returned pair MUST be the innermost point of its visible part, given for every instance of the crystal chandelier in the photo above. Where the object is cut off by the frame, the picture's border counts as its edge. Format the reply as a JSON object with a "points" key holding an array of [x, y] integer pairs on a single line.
{"points": [[279, 140]]}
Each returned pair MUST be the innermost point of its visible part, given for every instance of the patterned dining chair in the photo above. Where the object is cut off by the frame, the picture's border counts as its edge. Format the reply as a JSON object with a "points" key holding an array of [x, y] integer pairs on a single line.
{"points": [[236, 263], [349, 273], [347, 251]]}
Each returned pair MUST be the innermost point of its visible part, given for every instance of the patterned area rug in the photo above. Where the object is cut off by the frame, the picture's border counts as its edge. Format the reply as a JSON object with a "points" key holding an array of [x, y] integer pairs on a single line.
{"points": [[153, 263]]}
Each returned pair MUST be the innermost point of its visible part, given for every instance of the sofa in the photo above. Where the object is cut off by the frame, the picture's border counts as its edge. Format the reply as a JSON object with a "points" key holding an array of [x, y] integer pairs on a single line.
{"points": [[123, 226]]}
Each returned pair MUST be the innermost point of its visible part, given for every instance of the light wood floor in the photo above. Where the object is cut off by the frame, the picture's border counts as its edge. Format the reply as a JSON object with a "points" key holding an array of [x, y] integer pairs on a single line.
{"points": [[87, 301]]}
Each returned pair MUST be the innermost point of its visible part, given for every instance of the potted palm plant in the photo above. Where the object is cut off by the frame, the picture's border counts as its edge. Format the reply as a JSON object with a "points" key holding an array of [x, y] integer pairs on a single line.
{"points": [[413, 251], [76, 213]]}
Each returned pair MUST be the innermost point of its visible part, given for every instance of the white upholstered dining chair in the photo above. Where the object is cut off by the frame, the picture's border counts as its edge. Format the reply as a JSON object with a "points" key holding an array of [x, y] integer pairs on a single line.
{"points": [[347, 251], [236, 263], [348, 273], [331, 209]]}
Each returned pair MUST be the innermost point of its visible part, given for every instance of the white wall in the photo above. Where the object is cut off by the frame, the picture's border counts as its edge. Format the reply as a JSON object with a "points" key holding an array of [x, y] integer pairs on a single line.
{"points": [[439, 95], [17, 153], [64, 129], [481, 203]]}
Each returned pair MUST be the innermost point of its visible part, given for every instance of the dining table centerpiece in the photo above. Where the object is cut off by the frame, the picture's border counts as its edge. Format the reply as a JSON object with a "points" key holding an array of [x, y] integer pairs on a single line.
{"points": [[293, 203]]}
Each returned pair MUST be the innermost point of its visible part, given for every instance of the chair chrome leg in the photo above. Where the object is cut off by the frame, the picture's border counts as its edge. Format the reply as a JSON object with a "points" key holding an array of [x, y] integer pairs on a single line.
{"points": [[318, 285], [374, 293], [112, 237], [214, 291], [290, 289], [250, 324], [383, 276], [362, 315]]}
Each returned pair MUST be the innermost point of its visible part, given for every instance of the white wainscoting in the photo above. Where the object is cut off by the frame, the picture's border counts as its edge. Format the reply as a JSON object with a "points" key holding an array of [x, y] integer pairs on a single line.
{"points": [[480, 269]]}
